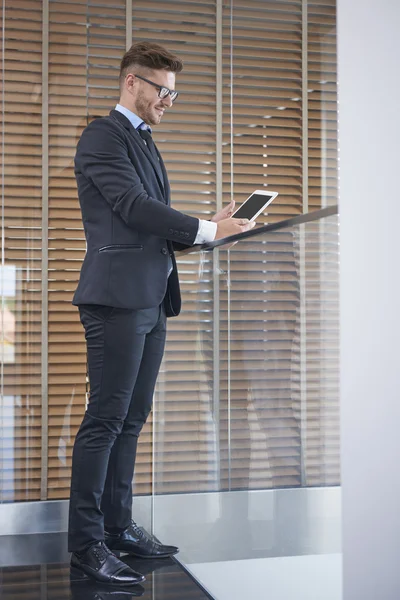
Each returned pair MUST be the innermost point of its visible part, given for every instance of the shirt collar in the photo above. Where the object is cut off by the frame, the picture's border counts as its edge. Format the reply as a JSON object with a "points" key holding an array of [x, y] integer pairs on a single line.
{"points": [[136, 121]]}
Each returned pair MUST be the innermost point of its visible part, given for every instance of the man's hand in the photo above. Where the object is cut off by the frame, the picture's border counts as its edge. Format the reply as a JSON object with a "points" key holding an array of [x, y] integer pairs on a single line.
{"points": [[228, 227], [225, 213]]}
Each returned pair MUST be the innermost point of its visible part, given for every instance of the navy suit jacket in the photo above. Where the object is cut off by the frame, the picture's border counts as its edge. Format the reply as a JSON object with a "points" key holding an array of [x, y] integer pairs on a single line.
{"points": [[129, 225]]}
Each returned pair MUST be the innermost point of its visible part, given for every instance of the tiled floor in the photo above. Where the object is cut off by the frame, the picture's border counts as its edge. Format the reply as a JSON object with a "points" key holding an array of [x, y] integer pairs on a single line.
{"points": [[36, 567]]}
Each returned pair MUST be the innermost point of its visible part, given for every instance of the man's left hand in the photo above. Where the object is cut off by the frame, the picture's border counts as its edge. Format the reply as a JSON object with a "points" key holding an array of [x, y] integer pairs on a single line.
{"points": [[225, 213]]}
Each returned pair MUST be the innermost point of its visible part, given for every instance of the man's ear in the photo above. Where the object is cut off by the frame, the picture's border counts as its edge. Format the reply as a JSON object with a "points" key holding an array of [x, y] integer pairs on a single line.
{"points": [[130, 81]]}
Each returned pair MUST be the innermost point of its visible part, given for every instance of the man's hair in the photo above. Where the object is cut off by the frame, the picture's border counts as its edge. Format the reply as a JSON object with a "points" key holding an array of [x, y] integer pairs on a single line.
{"points": [[150, 56]]}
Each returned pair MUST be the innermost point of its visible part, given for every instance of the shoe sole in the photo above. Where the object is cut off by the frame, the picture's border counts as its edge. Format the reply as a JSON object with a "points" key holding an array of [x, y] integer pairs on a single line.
{"points": [[119, 553]]}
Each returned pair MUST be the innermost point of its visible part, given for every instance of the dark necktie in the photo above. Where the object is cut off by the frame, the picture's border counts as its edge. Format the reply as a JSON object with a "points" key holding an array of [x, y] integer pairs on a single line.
{"points": [[146, 136]]}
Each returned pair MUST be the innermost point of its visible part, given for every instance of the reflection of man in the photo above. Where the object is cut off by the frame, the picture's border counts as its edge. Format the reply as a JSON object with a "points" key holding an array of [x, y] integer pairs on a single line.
{"points": [[160, 574], [128, 285], [8, 278], [7, 333]]}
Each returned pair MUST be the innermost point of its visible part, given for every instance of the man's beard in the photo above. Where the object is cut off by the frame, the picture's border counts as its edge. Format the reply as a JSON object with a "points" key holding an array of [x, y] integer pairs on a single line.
{"points": [[145, 111]]}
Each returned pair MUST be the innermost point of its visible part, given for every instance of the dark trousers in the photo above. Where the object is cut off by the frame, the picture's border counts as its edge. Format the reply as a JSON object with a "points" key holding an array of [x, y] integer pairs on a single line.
{"points": [[125, 349]]}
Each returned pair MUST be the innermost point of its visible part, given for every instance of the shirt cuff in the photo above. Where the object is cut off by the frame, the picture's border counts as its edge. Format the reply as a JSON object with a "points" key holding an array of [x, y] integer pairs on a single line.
{"points": [[206, 232]]}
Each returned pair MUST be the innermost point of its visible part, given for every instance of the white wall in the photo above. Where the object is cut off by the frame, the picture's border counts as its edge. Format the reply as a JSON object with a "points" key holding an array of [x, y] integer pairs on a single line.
{"points": [[369, 134]]}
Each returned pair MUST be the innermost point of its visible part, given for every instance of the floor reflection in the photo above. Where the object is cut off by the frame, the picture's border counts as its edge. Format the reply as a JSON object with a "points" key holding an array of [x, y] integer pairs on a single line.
{"points": [[165, 579]]}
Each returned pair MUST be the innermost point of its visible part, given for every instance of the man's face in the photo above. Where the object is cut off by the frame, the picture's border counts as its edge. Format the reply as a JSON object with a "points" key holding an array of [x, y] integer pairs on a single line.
{"points": [[147, 104]]}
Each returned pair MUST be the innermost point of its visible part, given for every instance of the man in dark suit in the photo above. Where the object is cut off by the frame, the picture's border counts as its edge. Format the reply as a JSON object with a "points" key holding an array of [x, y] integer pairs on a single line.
{"points": [[128, 286]]}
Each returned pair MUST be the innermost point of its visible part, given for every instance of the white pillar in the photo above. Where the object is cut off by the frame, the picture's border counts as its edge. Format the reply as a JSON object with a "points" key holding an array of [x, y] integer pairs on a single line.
{"points": [[369, 180]]}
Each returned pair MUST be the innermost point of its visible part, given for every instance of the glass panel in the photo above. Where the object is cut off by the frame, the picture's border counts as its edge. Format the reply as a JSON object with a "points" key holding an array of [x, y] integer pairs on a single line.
{"points": [[262, 103], [274, 377], [83, 84], [2, 308], [186, 424], [270, 449], [261, 362], [322, 105], [20, 270]]}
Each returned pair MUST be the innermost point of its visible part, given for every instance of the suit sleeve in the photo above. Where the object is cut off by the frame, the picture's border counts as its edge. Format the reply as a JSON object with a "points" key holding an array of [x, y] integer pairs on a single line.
{"points": [[102, 157], [179, 246]]}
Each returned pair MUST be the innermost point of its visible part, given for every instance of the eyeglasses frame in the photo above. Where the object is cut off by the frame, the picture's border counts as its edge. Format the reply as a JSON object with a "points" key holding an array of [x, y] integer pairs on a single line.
{"points": [[163, 91]]}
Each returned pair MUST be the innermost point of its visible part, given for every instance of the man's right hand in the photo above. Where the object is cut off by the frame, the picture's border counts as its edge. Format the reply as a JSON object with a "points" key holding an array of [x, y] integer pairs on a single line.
{"points": [[228, 227]]}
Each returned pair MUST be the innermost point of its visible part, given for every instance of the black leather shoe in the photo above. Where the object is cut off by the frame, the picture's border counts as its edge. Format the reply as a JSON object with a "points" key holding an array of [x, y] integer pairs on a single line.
{"points": [[136, 541], [100, 564]]}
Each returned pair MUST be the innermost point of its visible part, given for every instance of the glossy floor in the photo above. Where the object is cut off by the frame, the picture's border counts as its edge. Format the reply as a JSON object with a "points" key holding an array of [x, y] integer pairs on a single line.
{"points": [[36, 567]]}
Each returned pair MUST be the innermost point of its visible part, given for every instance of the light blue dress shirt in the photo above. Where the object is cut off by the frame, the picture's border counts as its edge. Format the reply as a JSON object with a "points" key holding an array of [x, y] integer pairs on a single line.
{"points": [[134, 119]]}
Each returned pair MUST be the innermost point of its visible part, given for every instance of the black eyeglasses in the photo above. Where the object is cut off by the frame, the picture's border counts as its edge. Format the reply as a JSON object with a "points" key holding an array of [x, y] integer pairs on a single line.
{"points": [[163, 92]]}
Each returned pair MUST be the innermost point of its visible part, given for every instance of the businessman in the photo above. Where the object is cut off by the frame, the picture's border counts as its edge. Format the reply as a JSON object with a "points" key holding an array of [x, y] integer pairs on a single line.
{"points": [[128, 286]]}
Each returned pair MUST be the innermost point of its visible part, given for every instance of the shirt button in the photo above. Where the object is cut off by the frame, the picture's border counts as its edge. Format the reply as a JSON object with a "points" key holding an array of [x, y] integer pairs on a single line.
{"points": [[164, 251]]}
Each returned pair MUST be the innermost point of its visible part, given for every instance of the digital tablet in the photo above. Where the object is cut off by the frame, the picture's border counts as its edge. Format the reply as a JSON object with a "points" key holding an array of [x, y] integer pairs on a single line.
{"points": [[254, 205]]}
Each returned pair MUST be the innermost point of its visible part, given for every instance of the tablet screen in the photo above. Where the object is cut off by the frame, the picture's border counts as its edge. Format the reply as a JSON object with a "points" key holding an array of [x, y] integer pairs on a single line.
{"points": [[252, 206]]}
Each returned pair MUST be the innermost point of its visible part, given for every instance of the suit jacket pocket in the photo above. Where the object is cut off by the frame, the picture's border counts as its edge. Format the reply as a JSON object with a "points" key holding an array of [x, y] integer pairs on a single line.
{"points": [[121, 248]]}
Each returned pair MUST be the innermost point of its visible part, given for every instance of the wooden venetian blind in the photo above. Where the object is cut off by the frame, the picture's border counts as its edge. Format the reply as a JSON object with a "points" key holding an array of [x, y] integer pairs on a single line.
{"points": [[262, 52], [259, 405], [67, 118], [322, 104], [185, 458], [21, 277], [86, 45], [322, 444]]}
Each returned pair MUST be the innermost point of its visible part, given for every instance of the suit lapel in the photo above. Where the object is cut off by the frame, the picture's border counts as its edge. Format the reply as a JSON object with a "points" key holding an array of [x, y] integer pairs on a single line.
{"points": [[165, 179], [158, 166]]}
